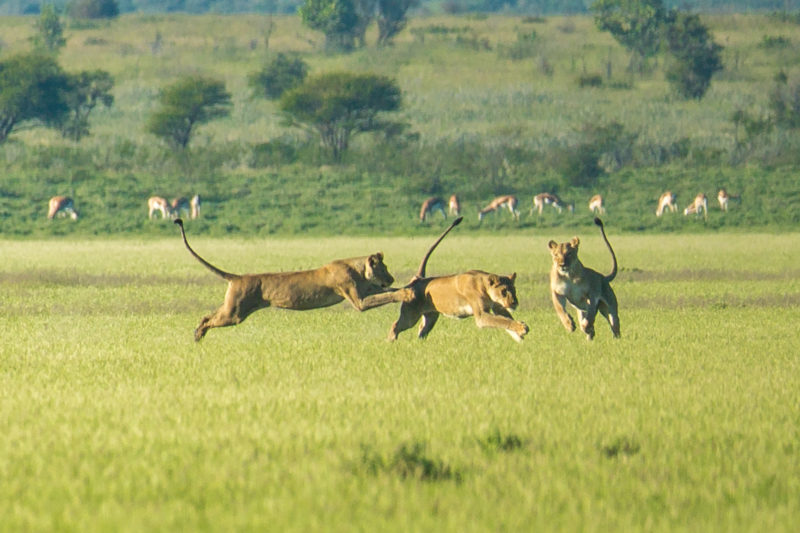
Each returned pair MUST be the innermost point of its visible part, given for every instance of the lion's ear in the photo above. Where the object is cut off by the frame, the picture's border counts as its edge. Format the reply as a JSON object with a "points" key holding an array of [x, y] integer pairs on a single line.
{"points": [[494, 280], [552, 245], [375, 259], [575, 242], [513, 276]]}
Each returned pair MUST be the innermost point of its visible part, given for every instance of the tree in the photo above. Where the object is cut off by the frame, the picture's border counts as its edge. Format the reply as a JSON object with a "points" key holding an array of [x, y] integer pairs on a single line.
{"points": [[392, 18], [278, 76], [49, 32], [87, 89], [696, 57], [339, 105], [189, 102], [33, 89], [94, 9], [337, 19], [635, 24]]}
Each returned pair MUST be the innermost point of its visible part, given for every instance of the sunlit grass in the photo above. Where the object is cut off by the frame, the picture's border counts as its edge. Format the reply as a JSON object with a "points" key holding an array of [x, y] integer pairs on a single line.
{"points": [[115, 419]]}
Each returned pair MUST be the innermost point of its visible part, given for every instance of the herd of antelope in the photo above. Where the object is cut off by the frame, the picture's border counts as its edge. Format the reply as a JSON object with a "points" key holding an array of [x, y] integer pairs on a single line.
{"points": [[64, 206], [666, 202]]}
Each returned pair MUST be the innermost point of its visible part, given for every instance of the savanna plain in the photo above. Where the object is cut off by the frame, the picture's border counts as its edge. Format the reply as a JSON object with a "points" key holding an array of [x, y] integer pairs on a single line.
{"points": [[115, 419]]}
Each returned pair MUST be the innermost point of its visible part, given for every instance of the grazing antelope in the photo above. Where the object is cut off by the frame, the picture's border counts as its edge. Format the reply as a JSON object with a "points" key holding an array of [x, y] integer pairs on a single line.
{"points": [[596, 205], [724, 198], [700, 203], [179, 204], [666, 201], [507, 201], [157, 203], [434, 203], [545, 198], [61, 206], [455, 206], [194, 203]]}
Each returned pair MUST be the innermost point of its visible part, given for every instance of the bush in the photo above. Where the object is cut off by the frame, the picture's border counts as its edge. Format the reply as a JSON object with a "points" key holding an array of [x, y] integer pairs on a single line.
{"points": [[281, 74]]}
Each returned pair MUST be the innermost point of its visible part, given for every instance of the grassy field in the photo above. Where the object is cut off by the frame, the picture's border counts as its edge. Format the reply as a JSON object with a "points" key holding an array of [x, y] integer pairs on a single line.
{"points": [[114, 419]]}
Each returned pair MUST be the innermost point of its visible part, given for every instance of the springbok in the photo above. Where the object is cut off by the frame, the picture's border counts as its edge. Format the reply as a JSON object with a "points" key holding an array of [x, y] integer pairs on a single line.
{"points": [[666, 201], [61, 206], [434, 203], [545, 198], [724, 199], [700, 203], [596, 205], [178, 205], [455, 206], [157, 203], [507, 201], [194, 203]]}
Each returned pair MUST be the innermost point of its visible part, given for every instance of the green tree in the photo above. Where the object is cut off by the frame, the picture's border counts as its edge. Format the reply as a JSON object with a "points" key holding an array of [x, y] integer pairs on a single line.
{"points": [[33, 90], [49, 34], [87, 89], [635, 24], [94, 9], [696, 57], [340, 105], [392, 18], [185, 104], [337, 19], [278, 76]]}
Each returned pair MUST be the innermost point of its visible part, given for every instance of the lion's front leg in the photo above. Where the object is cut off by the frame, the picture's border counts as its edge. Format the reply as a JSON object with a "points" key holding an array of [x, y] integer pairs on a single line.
{"points": [[586, 320], [484, 319], [559, 302]]}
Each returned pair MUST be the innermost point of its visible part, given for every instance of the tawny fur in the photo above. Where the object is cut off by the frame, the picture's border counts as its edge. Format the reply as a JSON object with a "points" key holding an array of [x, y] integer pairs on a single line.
{"points": [[588, 291], [346, 279], [61, 206], [488, 297]]}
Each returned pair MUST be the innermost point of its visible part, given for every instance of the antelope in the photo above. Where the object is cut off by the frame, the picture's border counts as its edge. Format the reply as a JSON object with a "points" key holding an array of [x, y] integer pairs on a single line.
{"points": [[507, 201], [194, 203], [724, 198], [455, 206], [700, 203], [596, 205], [157, 203], [666, 201], [61, 206], [434, 203], [545, 198], [177, 205]]}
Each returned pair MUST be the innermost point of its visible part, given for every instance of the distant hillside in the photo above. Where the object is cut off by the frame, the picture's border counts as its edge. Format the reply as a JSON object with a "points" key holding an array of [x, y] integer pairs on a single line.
{"points": [[534, 7]]}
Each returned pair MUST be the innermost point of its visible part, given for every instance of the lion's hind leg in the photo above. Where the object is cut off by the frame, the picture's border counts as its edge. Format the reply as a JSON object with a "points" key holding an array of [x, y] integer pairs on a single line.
{"points": [[608, 308], [236, 308], [409, 316], [428, 321]]}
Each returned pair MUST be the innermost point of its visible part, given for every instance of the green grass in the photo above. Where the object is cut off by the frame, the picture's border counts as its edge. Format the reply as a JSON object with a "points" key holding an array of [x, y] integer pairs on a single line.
{"points": [[114, 419]]}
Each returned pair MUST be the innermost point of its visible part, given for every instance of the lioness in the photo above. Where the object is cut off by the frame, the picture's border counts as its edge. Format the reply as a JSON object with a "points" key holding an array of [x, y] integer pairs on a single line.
{"points": [[587, 290], [346, 279], [488, 297]]}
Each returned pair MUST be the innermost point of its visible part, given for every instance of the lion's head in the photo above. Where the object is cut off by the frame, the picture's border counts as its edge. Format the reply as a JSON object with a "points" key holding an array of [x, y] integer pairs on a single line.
{"points": [[376, 271], [502, 291], [564, 254]]}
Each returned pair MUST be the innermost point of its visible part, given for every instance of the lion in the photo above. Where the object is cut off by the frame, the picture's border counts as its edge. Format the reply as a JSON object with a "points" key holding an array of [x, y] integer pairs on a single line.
{"points": [[345, 279], [587, 290], [486, 296]]}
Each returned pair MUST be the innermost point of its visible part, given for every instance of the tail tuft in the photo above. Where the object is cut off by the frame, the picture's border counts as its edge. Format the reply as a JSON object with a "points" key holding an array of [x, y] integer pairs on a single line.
{"points": [[179, 222], [457, 221], [598, 222]]}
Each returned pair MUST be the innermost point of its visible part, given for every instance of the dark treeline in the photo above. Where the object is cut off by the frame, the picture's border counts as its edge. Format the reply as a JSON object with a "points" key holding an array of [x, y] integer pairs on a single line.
{"points": [[535, 7]]}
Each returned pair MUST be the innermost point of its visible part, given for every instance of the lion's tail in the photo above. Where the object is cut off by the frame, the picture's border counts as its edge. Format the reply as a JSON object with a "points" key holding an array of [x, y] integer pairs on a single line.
{"points": [[221, 273], [613, 274], [424, 263]]}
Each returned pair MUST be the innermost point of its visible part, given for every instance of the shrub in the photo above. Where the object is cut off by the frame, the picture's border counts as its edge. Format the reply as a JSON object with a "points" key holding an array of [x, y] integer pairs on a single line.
{"points": [[278, 76], [94, 9]]}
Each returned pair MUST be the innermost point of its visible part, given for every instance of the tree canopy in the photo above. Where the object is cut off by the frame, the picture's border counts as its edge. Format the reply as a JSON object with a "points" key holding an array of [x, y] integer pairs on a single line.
{"points": [[340, 104], [33, 88], [185, 104]]}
